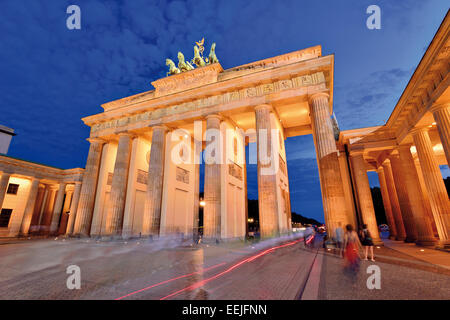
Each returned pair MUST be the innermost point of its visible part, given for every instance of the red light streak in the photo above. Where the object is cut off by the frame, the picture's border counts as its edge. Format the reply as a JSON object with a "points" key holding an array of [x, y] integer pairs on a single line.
{"points": [[170, 280], [205, 281], [310, 240]]}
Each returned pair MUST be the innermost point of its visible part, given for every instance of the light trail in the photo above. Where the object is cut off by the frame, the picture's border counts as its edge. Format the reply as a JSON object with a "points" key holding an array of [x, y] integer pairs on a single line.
{"points": [[205, 281], [310, 239], [170, 280]]}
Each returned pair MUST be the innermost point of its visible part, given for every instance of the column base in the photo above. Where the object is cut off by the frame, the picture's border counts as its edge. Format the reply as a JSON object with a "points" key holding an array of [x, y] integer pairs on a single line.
{"points": [[211, 240], [392, 237], [443, 244], [80, 236], [426, 242], [111, 238], [399, 238], [410, 240]]}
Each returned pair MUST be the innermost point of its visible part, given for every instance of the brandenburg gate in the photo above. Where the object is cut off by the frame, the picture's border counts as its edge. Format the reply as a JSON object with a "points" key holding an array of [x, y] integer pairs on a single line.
{"points": [[142, 172], [142, 175]]}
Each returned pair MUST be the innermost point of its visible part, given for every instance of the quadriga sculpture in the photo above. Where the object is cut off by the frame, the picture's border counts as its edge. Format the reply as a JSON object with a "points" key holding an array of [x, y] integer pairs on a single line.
{"points": [[212, 54], [172, 68], [182, 64], [198, 59]]}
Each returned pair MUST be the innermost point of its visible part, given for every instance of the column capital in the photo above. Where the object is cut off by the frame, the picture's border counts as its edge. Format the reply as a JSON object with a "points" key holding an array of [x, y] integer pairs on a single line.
{"points": [[317, 95], [420, 129], [96, 140], [126, 134], [439, 106], [214, 116], [380, 169], [356, 153], [160, 127], [404, 147], [263, 107], [394, 155], [53, 186]]}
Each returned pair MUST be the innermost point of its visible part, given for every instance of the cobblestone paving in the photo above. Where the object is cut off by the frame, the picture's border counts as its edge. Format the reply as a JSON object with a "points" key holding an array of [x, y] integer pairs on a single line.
{"points": [[402, 277], [37, 269], [109, 270]]}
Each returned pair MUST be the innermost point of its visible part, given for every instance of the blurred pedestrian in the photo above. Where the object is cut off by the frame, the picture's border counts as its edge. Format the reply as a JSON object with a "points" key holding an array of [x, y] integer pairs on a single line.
{"points": [[351, 248], [339, 232], [367, 242], [324, 242]]}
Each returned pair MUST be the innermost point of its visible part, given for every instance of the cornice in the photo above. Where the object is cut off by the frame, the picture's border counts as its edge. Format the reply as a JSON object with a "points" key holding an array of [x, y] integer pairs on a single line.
{"points": [[233, 87], [418, 94]]}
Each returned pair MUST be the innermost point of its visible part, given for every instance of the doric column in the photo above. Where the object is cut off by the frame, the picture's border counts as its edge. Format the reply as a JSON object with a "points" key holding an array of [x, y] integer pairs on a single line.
{"points": [[152, 213], [88, 189], [47, 215], [437, 192], [400, 185], [36, 227], [267, 184], [426, 198], [364, 195], [73, 208], [395, 204], [213, 184], [4, 181], [423, 224], [57, 208], [197, 149], [65, 213], [387, 203], [34, 221], [29, 207], [118, 193], [327, 157], [441, 114]]}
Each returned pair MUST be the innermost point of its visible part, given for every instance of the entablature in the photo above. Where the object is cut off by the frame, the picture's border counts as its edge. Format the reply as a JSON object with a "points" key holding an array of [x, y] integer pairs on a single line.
{"points": [[264, 86], [30, 169]]}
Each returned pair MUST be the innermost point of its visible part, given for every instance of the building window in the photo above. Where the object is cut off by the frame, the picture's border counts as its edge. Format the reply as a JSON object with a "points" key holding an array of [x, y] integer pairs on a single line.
{"points": [[12, 188], [5, 215]]}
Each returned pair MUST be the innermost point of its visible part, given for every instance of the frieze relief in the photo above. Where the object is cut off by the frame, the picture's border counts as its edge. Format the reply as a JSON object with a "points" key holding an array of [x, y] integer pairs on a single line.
{"points": [[268, 88], [182, 175], [142, 176], [235, 171]]}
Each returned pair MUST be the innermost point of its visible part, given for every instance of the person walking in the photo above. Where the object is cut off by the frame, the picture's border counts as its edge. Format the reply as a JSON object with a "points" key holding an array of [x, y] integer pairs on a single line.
{"points": [[339, 232], [367, 242], [351, 247]]}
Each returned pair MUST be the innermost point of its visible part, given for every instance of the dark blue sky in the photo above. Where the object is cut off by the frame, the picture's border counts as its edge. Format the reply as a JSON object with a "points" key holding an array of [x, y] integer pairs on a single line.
{"points": [[50, 76]]}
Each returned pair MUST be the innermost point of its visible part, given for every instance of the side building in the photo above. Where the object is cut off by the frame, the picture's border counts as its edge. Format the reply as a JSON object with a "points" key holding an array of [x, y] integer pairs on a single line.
{"points": [[35, 199]]}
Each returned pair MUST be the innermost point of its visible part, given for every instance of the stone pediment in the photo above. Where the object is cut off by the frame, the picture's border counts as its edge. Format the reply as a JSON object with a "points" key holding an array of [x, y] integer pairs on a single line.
{"points": [[187, 80]]}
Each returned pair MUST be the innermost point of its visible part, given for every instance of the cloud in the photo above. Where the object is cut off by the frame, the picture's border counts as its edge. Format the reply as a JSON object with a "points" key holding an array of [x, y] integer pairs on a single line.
{"points": [[369, 102]]}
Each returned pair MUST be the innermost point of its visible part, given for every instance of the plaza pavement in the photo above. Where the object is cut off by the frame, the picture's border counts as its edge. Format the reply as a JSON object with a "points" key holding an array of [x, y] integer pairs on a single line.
{"points": [[36, 269]]}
